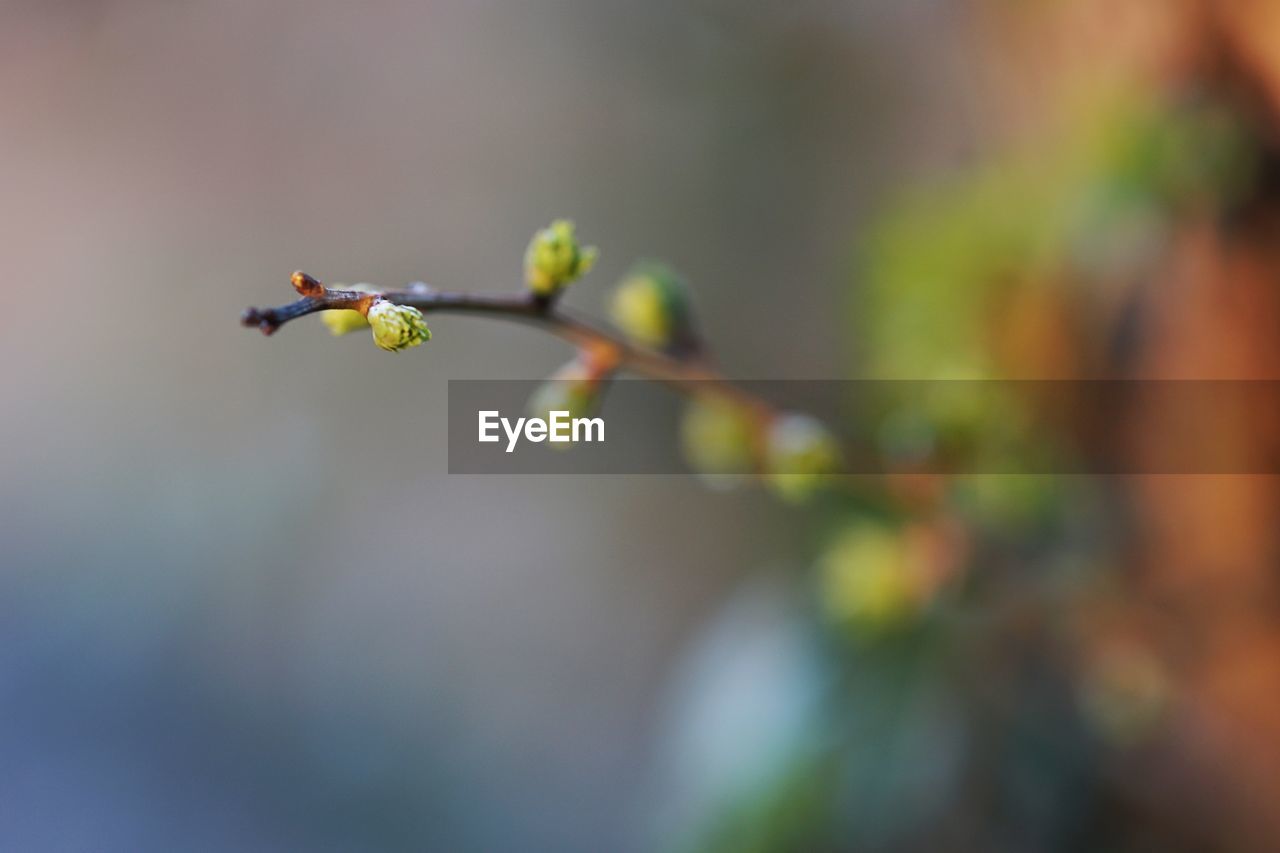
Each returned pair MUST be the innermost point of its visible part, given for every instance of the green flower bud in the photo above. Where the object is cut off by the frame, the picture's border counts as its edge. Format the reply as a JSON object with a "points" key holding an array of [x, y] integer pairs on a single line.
{"points": [[397, 327], [340, 321], [718, 440], [867, 581], [573, 388], [651, 305], [554, 258], [801, 456]]}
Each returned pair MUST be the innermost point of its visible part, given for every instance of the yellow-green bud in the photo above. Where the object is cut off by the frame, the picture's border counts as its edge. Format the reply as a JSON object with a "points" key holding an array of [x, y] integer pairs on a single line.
{"points": [[397, 327], [867, 580], [340, 321], [718, 441], [801, 456], [650, 305], [554, 258], [573, 389]]}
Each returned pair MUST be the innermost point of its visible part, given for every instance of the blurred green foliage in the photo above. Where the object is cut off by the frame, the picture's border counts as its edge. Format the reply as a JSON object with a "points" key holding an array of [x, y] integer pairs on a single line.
{"points": [[1095, 199], [951, 719]]}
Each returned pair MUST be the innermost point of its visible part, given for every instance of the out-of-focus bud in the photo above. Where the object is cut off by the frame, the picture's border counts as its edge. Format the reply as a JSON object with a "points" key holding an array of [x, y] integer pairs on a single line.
{"points": [[574, 388], [801, 456], [340, 321], [875, 577], [866, 579], [651, 305], [554, 258], [397, 327], [719, 439]]}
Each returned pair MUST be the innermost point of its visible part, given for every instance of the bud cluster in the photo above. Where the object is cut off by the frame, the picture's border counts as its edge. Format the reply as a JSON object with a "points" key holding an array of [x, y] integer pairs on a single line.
{"points": [[397, 327], [726, 443], [726, 440], [555, 258]]}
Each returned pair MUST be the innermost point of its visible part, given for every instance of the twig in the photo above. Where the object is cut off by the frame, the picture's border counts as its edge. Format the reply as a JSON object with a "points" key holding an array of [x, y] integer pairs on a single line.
{"points": [[687, 372]]}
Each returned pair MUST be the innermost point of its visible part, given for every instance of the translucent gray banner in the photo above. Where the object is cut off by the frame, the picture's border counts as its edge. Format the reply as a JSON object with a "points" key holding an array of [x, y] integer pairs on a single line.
{"points": [[628, 427]]}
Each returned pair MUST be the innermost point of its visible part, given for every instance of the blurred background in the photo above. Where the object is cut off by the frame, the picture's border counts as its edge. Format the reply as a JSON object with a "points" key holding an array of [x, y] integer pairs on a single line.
{"points": [[243, 607]]}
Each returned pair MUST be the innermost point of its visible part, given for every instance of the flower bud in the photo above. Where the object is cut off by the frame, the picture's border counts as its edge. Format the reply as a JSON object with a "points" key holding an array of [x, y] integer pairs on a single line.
{"points": [[801, 456], [397, 327], [340, 321], [651, 305], [574, 388], [554, 258], [718, 441], [866, 579]]}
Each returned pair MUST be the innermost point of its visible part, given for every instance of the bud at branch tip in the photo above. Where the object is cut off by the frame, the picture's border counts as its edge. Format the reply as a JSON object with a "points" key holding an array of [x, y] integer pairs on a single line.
{"points": [[306, 285], [555, 258]]}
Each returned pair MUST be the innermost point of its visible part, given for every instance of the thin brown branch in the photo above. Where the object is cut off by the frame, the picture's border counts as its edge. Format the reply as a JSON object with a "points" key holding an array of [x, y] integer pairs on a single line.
{"points": [[682, 372]]}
